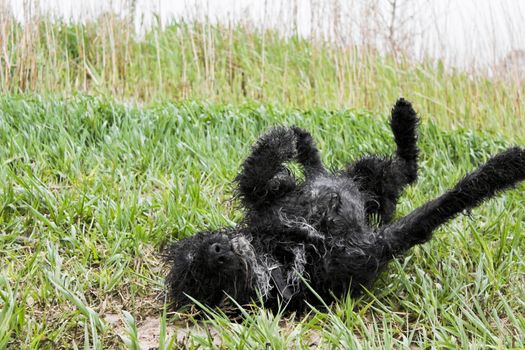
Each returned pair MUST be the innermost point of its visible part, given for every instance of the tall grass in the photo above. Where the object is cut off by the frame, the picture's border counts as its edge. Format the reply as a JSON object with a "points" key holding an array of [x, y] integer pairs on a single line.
{"points": [[236, 62]]}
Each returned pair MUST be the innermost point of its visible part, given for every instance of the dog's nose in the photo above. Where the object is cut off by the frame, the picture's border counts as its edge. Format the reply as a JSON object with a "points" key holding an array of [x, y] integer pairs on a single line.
{"points": [[219, 253]]}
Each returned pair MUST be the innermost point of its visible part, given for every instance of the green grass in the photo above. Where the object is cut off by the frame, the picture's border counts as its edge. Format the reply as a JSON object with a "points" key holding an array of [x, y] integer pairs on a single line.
{"points": [[238, 64], [91, 190]]}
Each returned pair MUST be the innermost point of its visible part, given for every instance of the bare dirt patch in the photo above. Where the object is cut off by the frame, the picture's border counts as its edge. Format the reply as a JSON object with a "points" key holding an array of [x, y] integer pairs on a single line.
{"points": [[149, 331]]}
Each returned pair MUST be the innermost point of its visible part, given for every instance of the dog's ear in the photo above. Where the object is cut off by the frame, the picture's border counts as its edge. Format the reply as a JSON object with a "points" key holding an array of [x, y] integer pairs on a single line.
{"points": [[501, 172]]}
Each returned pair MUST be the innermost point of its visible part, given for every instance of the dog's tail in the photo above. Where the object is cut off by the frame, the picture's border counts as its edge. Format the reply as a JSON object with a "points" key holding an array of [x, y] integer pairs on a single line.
{"points": [[404, 122]]}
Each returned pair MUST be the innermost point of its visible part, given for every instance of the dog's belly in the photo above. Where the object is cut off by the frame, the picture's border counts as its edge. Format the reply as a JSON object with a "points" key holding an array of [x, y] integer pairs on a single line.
{"points": [[329, 204]]}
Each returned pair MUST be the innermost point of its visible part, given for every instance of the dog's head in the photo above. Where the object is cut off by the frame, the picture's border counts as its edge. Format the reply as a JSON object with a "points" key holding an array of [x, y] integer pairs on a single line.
{"points": [[211, 265]]}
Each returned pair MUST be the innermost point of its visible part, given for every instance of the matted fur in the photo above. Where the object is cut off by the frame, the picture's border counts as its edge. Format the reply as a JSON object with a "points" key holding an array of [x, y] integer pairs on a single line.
{"points": [[318, 230]]}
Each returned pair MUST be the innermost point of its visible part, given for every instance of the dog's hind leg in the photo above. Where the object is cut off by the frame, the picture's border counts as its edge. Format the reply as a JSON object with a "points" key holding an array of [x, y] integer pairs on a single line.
{"points": [[499, 173], [383, 179], [263, 175], [404, 123]]}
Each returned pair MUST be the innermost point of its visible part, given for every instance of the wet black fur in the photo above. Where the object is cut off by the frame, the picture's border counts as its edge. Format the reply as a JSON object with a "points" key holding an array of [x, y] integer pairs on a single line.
{"points": [[318, 230]]}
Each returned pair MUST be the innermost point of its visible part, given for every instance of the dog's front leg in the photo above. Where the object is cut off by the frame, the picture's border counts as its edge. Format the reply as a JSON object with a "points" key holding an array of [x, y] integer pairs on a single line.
{"points": [[307, 153], [263, 175]]}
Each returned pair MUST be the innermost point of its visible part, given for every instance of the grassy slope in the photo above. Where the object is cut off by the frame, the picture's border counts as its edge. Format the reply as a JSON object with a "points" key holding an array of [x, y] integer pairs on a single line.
{"points": [[90, 190]]}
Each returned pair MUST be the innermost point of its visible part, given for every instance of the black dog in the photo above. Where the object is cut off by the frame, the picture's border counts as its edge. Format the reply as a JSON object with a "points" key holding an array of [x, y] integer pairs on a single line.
{"points": [[318, 230]]}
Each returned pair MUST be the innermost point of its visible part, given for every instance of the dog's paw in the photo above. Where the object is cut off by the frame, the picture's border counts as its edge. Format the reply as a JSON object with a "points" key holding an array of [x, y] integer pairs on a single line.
{"points": [[283, 181], [403, 116], [280, 142], [304, 140]]}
